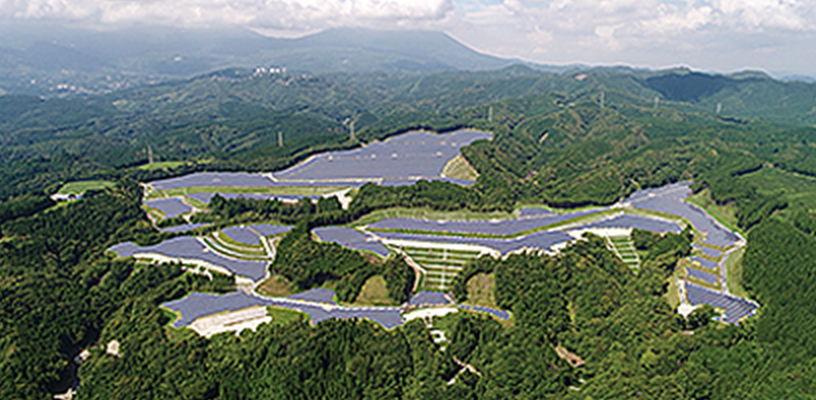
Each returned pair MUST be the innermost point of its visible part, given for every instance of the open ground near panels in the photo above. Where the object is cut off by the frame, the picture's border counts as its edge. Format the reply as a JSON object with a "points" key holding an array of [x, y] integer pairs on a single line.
{"points": [[401, 159], [735, 308], [171, 207], [188, 248], [351, 238]]}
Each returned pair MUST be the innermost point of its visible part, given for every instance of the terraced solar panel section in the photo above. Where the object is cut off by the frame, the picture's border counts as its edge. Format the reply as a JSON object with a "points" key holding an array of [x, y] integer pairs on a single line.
{"points": [[501, 314], [197, 305], [707, 251], [171, 207], [206, 197], [503, 227], [428, 298], [270, 229], [184, 228], [706, 277], [670, 199], [318, 295], [735, 307], [532, 212], [636, 222], [189, 248], [541, 240], [399, 160], [705, 263], [242, 235], [352, 239], [214, 179]]}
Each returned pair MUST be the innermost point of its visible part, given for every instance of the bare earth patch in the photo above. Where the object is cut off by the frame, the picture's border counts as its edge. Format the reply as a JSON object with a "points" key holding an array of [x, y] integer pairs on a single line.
{"points": [[480, 290], [275, 286], [374, 293]]}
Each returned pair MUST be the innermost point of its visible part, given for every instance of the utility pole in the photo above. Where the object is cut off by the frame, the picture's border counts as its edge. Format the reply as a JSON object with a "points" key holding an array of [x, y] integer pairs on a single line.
{"points": [[352, 131], [149, 155], [602, 100], [719, 107], [657, 101], [490, 114], [280, 139]]}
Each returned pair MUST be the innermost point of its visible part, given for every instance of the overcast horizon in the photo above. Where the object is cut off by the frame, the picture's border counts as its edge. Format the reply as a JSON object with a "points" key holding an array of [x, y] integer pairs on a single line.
{"points": [[718, 35]]}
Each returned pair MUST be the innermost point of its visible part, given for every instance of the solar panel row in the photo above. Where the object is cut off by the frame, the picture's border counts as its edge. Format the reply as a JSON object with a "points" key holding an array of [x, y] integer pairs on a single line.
{"points": [[735, 308]]}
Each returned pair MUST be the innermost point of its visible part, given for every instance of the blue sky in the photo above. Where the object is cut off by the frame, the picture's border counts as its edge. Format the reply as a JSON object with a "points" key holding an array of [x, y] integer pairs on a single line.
{"points": [[718, 35]]}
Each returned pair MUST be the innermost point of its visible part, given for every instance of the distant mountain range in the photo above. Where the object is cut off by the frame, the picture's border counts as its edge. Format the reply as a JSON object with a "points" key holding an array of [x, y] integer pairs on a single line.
{"points": [[53, 61]]}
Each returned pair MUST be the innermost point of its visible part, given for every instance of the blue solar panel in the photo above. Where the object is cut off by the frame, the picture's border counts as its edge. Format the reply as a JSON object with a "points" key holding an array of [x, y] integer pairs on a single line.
{"points": [[171, 207], [270, 229], [708, 251], [541, 240], [735, 307], [632, 221], [318, 295], [501, 314], [183, 228], [428, 298], [197, 305], [206, 197], [351, 238], [242, 235], [186, 247], [532, 212], [706, 277], [705, 263]]}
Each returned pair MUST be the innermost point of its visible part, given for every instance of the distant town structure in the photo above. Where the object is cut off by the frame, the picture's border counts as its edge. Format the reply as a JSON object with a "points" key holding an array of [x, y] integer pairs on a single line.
{"points": [[273, 70]]}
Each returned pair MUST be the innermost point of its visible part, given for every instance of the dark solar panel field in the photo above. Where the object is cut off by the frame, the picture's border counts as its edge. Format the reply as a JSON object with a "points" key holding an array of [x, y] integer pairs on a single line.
{"points": [[401, 159], [214, 179], [633, 221], [206, 197], [243, 235], [735, 307], [706, 277], [270, 229], [171, 207], [670, 199], [705, 263], [198, 305], [318, 295], [184, 228], [501, 314], [427, 298], [504, 227], [708, 251], [539, 240], [186, 247], [351, 238]]}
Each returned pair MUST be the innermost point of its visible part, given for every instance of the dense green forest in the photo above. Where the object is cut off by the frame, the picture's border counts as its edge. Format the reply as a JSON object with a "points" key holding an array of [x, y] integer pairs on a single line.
{"points": [[553, 144]]}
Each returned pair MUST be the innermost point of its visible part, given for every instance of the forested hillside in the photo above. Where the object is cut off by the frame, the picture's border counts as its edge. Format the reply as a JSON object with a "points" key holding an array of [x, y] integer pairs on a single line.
{"points": [[558, 141]]}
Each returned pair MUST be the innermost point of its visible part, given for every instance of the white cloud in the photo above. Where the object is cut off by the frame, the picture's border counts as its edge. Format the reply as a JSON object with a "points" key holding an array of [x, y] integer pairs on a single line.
{"points": [[280, 14]]}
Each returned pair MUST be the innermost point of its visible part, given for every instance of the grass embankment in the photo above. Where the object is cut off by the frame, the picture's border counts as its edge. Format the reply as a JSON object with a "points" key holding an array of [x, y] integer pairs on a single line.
{"points": [[480, 289], [374, 293], [459, 168], [160, 165], [274, 190], [733, 268], [283, 316], [77, 187], [274, 286]]}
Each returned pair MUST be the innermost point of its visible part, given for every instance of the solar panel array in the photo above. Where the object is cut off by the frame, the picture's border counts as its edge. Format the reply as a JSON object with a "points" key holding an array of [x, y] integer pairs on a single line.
{"points": [[186, 247], [540, 240], [735, 308], [501, 314], [184, 228], [351, 238], [198, 305], [318, 295], [428, 298], [171, 207], [402, 159], [706, 277], [242, 234]]}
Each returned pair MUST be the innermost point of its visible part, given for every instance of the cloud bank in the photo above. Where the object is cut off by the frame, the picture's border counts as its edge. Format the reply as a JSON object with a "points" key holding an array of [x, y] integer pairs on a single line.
{"points": [[711, 34]]}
